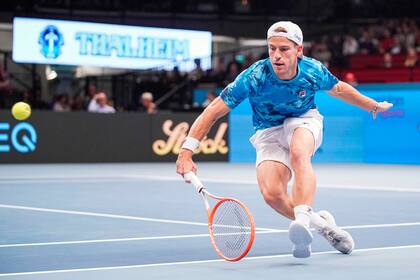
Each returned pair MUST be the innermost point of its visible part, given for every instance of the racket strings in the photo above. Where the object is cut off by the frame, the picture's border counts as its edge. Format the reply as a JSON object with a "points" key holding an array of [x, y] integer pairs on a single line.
{"points": [[231, 229]]}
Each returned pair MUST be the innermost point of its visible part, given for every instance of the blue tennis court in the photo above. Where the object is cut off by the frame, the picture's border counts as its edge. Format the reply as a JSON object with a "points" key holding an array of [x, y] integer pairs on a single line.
{"points": [[140, 221]]}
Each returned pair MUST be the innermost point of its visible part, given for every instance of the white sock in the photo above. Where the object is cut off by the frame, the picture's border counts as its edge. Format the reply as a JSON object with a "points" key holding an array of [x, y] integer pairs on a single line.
{"points": [[317, 221], [303, 214]]}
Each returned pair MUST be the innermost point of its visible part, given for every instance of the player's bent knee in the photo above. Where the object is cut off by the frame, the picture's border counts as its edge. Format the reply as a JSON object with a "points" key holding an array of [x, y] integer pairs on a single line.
{"points": [[275, 197], [299, 156]]}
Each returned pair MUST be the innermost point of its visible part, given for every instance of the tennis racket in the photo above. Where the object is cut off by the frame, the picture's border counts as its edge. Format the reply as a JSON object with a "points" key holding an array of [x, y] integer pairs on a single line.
{"points": [[230, 223]]}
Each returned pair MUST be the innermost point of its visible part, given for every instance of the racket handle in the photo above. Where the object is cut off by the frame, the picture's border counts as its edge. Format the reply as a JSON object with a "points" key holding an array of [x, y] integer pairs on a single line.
{"points": [[190, 176]]}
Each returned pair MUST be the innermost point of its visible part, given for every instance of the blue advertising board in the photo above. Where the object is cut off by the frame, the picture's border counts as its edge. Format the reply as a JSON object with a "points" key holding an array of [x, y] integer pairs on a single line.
{"points": [[350, 134], [62, 42]]}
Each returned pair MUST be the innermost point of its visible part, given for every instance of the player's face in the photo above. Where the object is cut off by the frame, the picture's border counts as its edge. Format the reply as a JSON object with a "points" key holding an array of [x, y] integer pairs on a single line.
{"points": [[283, 56]]}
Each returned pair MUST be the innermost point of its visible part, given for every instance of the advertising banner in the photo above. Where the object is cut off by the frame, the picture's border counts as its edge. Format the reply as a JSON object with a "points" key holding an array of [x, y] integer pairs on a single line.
{"points": [[169, 131], [48, 137], [63, 42]]}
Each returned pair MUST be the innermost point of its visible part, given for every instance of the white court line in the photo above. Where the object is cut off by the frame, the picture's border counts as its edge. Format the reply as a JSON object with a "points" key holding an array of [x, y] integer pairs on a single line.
{"points": [[382, 225], [128, 178], [168, 237], [52, 180], [254, 182], [197, 262], [368, 188], [123, 239], [94, 214]]}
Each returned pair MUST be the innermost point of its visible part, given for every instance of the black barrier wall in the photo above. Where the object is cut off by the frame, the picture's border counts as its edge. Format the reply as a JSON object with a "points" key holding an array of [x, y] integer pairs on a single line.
{"points": [[48, 137]]}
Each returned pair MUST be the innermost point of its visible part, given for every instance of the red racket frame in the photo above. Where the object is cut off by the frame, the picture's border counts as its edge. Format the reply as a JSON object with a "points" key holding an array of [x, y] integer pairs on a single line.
{"points": [[210, 223]]}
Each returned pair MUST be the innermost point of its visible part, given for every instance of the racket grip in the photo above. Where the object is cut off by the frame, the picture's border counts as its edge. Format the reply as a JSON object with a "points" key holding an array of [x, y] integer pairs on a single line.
{"points": [[190, 176]]}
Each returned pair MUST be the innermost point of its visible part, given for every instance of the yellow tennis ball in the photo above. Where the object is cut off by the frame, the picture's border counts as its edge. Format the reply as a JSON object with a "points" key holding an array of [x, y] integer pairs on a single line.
{"points": [[21, 111]]}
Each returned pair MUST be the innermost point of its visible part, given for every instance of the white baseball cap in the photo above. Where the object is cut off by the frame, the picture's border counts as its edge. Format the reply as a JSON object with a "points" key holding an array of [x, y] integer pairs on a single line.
{"points": [[293, 31]]}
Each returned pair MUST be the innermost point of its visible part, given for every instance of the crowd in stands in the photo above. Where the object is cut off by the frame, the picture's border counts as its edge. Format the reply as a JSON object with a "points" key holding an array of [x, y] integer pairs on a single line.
{"points": [[99, 102], [389, 39]]}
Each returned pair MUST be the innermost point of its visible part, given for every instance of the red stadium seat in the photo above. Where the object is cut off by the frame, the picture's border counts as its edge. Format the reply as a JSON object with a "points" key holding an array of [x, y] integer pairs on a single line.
{"points": [[374, 61], [384, 75]]}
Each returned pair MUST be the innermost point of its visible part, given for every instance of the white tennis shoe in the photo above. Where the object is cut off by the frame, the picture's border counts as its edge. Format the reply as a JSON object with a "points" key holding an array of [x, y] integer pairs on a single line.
{"points": [[340, 239], [301, 237]]}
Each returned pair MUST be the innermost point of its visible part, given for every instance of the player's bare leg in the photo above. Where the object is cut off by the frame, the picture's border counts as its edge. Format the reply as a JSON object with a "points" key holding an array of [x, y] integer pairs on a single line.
{"points": [[272, 179], [301, 149]]}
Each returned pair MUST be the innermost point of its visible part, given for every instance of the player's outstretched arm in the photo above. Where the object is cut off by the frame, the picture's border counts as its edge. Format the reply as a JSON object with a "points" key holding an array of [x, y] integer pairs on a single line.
{"points": [[201, 126], [349, 94]]}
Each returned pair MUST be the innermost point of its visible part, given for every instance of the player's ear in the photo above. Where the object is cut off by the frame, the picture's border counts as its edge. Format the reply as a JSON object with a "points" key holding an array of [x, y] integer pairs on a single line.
{"points": [[299, 50]]}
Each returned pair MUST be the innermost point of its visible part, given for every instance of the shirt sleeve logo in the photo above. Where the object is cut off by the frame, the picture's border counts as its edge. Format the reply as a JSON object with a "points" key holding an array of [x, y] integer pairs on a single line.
{"points": [[302, 93]]}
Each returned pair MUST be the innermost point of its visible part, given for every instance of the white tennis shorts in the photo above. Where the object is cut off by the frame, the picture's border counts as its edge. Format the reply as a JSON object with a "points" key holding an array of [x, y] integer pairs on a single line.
{"points": [[274, 143]]}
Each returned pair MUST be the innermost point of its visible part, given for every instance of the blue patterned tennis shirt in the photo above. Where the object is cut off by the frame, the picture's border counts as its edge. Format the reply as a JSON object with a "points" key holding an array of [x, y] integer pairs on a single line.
{"points": [[273, 100]]}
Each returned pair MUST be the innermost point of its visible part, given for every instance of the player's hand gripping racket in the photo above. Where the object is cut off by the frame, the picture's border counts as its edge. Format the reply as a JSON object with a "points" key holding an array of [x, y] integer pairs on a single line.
{"points": [[230, 223]]}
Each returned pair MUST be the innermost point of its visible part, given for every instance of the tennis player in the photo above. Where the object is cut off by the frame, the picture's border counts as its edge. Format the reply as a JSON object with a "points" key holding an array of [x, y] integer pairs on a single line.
{"points": [[281, 90]]}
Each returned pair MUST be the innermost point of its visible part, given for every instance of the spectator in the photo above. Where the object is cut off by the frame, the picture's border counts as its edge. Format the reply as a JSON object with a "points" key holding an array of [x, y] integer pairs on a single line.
{"points": [[234, 68], [411, 58], [399, 38], [387, 60], [77, 103], [211, 95], [418, 41], [307, 48], [366, 45], [351, 79], [61, 103], [217, 74], [336, 47], [198, 72], [397, 48], [350, 45], [91, 92], [249, 60], [98, 104], [110, 103], [387, 42], [146, 103], [321, 52], [410, 30], [174, 77], [5, 88]]}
